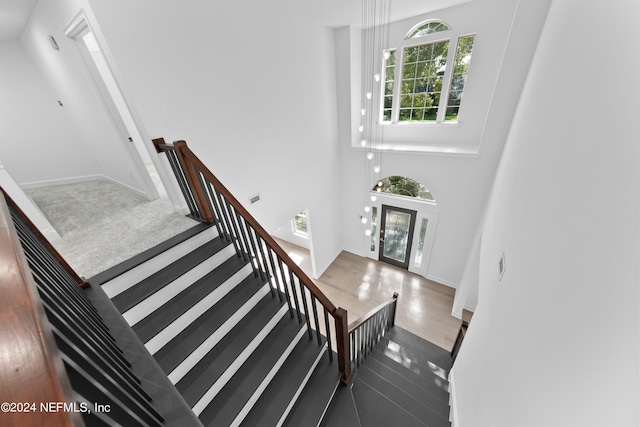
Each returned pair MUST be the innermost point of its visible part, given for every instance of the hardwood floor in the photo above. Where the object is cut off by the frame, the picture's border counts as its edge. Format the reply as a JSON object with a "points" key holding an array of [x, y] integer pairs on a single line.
{"points": [[359, 284]]}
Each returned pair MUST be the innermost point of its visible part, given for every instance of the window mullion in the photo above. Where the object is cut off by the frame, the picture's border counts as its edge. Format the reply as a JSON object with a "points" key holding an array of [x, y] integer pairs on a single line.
{"points": [[397, 82]]}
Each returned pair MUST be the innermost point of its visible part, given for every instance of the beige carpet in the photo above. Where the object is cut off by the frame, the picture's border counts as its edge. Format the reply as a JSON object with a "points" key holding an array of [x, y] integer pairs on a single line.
{"points": [[103, 224]]}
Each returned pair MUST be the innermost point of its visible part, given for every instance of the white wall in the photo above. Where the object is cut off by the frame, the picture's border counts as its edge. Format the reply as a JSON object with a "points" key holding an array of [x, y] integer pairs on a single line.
{"points": [[87, 130], [252, 92], [35, 129], [31, 210], [555, 343], [460, 184]]}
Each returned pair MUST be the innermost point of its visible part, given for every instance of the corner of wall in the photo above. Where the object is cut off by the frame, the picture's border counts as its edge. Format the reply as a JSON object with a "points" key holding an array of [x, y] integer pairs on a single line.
{"points": [[453, 407]]}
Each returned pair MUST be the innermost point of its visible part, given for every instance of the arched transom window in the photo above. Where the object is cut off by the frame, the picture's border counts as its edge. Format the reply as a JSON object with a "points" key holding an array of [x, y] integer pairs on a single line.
{"points": [[426, 28], [403, 186]]}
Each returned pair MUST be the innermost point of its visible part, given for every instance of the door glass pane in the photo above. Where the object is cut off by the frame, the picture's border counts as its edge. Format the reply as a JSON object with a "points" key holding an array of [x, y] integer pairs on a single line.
{"points": [[396, 235], [374, 228], [423, 233]]}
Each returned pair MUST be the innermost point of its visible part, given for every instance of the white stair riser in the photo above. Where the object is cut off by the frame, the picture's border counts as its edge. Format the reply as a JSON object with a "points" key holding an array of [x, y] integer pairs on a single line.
{"points": [[178, 325], [265, 383], [155, 301], [301, 387], [204, 348], [233, 368], [132, 277]]}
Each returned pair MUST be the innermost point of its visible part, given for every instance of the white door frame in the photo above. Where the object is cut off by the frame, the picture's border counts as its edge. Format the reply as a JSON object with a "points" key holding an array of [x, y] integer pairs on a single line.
{"points": [[425, 210], [76, 29]]}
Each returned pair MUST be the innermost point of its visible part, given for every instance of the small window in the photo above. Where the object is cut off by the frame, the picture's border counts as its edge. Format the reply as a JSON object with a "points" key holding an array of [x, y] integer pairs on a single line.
{"points": [[427, 28], [389, 81], [459, 77], [423, 233], [300, 224]]}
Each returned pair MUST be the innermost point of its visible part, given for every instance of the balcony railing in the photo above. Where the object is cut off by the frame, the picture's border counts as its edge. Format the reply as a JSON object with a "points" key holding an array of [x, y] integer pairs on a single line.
{"points": [[58, 358], [370, 329]]}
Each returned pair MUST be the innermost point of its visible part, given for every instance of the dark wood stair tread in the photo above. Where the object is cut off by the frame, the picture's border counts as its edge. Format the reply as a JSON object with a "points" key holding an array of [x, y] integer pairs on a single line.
{"points": [[185, 342], [376, 410], [422, 377], [209, 369], [134, 295], [150, 253], [282, 389], [178, 305], [432, 395], [402, 398], [317, 394], [419, 346], [230, 401]]}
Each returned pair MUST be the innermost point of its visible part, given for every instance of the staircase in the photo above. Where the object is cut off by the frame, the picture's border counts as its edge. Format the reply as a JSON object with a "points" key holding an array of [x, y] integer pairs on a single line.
{"points": [[237, 352], [402, 382], [216, 326]]}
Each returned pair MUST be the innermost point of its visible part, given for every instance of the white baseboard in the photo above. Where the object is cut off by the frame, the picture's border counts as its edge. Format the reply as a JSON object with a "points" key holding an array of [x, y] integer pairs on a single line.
{"points": [[355, 252], [127, 187], [442, 281], [84, 178], [319, 270], [61, 181]]}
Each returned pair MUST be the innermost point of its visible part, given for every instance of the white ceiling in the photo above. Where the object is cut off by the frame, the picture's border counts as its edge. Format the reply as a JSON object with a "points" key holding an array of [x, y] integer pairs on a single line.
{"points": [[14, 14], [337, 13]]}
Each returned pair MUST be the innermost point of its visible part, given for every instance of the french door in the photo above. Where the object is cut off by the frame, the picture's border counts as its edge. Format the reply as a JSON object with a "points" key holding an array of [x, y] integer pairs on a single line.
{"points": [[396, 235]]}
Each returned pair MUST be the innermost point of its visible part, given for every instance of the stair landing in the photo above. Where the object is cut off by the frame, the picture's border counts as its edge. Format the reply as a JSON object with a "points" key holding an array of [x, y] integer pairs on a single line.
{"points": [[402, 382]]}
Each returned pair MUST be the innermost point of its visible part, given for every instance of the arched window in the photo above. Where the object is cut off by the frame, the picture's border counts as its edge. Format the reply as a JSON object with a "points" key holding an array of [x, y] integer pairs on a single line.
{"points": [[403, 186], [427, 27], [423, 80]]}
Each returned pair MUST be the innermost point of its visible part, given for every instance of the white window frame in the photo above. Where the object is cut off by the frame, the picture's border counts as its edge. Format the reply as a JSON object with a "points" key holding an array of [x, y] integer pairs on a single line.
{"points": [[449, 35]]}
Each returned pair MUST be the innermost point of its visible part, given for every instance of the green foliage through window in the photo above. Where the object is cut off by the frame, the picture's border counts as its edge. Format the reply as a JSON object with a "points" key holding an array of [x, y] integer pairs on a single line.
{"points": [[300, 224], [459, 77], [422, 72], [403, 186], [418, 85]]}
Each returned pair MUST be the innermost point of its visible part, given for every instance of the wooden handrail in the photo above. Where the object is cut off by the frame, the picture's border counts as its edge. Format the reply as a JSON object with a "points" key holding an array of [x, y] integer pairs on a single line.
{"points": [[189, 155], [192, 165], [363, 319], [31, 370]]}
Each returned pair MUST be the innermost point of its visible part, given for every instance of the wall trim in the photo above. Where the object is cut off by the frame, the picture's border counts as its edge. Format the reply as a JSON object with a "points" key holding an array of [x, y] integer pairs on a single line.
{"points": [[61, 181], [320, 271], [442, 281], [79, 179], [355, 252]]}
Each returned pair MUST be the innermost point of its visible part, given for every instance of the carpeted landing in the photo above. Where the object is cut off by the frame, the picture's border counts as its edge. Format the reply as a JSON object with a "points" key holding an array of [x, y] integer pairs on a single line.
{"points": [[103, 224]]}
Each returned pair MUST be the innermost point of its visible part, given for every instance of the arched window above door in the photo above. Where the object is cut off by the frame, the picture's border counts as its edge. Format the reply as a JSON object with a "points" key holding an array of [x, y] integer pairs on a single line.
{"points": [[403, 186]]}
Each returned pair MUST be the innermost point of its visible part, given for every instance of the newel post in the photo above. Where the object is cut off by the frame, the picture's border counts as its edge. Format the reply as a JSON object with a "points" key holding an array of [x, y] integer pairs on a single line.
{"points": [[191, 176], [342, 344]]}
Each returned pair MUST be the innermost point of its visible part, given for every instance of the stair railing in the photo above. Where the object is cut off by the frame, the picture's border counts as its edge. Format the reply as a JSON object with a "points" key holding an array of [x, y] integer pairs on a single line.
{"points": [[59, 363], [458, 343], [210, 201], [30, 370], [370, 328]]}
